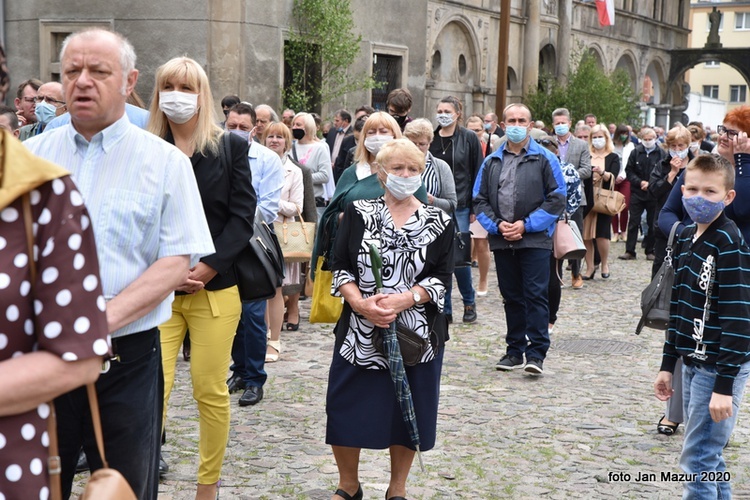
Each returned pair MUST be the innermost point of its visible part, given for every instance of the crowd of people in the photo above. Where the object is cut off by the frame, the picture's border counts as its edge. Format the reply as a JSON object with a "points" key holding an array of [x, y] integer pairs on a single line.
{"points": [[120, 272]]}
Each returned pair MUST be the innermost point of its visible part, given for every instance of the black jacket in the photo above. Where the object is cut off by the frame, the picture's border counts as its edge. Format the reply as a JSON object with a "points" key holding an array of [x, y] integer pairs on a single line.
{"points": [[463, 154], [229, 201], [639, 168]]}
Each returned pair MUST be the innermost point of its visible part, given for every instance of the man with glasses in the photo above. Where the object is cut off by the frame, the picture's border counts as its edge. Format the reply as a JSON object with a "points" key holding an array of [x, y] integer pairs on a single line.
{"points": [[24, 101], [49, 103]]}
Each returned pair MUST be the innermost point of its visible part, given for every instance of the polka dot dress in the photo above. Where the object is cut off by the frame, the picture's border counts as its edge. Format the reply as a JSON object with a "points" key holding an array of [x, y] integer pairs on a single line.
{"points": [[64, 315]]}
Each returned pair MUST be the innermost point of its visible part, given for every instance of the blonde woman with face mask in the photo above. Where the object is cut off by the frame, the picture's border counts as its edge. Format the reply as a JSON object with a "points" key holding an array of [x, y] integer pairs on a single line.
{"points": [[358, 182], [208, 303], [597, 229]]}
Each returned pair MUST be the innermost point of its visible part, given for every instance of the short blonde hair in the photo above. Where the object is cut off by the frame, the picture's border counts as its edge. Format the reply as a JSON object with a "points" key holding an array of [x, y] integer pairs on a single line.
{"points": [[282, 130], [421, 127], [678, 134], [375, 121], [206, 134], [608, 147], [311, 130], [402, 150]]}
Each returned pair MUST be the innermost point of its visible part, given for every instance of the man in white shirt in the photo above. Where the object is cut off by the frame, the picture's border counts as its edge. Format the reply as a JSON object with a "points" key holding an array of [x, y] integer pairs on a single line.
{"points": [[140, 192]]}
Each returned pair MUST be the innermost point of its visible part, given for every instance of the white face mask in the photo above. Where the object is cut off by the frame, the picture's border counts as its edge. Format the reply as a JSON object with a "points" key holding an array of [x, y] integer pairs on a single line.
{"points": [[679, 154], [695, 145], [445, 119], [178, 106], [599, 142], [649, 144], [403, 187], [373, 143]]}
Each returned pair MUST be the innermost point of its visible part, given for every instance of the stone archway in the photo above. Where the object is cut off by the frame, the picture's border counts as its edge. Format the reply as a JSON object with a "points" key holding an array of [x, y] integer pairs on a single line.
{"points": [[454, 66], [675, 102], [626, 64], [548, 60]]}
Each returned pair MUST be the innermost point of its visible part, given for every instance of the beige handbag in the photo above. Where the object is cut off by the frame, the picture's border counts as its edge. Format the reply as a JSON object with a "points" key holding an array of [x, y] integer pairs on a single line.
{"points": [[607, 201], [296, 238]]}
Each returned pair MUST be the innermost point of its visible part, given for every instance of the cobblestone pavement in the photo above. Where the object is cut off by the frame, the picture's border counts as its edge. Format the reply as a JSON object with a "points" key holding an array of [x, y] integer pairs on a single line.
{"points": [[586, 429]]}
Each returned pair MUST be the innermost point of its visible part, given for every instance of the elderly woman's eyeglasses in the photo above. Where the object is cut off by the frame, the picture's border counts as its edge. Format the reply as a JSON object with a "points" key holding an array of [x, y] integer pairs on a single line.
{"points": [[49, 100], [731, 134]]}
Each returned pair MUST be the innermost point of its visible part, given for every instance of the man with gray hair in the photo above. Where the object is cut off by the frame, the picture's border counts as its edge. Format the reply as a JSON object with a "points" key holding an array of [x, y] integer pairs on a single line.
{"points": [[264, 114], [140, 192], [576, 152]]}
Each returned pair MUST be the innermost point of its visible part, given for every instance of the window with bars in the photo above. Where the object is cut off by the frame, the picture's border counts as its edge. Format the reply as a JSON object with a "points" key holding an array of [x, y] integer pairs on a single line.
{"points": [[386, 70]]}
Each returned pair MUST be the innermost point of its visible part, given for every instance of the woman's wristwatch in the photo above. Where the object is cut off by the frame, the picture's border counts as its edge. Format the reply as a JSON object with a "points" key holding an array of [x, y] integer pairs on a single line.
{"points": [[415, 295]]}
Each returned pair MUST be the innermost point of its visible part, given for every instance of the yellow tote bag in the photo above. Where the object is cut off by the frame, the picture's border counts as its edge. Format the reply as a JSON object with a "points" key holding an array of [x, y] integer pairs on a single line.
{"points": [[325, 308]]}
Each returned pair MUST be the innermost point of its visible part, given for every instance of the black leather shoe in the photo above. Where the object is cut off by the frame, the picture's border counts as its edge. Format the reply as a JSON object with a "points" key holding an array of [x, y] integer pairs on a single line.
{"points": [[251, 396], [163, 467], [470, 314], [235, 383]]}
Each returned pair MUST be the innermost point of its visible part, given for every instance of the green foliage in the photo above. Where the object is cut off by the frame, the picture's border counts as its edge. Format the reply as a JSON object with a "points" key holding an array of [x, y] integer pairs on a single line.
{"points": [[589, 90], [321, 48]]}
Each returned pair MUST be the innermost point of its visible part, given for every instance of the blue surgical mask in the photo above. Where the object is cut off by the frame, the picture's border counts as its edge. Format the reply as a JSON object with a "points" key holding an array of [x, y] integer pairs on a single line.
{"points": [[44, 112], [702, 210], [562, 129], [515, 133], [487, 126], [245, 134]]}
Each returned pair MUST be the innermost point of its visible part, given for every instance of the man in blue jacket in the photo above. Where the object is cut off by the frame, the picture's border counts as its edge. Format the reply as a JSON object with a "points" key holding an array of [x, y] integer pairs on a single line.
{"points": [[519, 195]]}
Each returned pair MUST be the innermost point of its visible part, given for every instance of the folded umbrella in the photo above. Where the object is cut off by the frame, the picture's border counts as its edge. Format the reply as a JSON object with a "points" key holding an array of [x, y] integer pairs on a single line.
{"points": [[396, 362]]}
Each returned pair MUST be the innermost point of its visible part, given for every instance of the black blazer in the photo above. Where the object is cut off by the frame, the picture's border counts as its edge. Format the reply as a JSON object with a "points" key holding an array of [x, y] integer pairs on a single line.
{"points": [[229, 202], [331, 137], [341, 163]]}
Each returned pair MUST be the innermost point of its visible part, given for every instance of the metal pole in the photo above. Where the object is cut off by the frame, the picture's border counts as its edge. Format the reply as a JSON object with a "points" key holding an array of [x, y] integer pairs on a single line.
{"points": [[502, 58]]}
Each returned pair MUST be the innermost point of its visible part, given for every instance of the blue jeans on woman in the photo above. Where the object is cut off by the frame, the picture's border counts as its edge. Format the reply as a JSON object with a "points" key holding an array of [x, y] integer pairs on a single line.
{"points": [[463, 274], [705, 439]]}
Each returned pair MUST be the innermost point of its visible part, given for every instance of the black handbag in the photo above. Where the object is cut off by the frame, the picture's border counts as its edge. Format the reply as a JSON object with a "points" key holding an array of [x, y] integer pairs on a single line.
{"points": [[259, 268], [461, 245], [656, 297]]}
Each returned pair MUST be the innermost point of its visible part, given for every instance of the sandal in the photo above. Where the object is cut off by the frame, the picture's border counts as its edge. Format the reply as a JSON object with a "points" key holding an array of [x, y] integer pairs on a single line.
{"points": [[346, 496], [276, 346], [293, 327], [666, 429]]}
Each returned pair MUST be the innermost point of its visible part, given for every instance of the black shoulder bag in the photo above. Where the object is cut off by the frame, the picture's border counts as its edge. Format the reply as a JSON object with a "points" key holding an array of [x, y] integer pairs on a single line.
{"points": [[259, 268], [656, 297]]}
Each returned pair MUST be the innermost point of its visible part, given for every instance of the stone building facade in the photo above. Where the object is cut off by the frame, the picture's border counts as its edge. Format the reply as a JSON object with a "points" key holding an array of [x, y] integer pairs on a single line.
{"points": [[433, 47]]}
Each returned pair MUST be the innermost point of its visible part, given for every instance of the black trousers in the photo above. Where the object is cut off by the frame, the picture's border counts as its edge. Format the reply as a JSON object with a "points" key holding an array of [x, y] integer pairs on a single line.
{"points": [[637, 205], [131, 399]]}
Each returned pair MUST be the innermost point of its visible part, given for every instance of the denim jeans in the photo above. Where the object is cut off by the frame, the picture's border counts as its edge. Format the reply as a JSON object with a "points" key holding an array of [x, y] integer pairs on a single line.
{"points": [[131, 397], [523, 276], [249, 346], [463, 274], [705, 439]]}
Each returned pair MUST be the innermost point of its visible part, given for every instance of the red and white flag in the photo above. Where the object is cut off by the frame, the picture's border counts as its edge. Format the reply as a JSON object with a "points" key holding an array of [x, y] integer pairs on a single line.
{"points": [[606, 11]]}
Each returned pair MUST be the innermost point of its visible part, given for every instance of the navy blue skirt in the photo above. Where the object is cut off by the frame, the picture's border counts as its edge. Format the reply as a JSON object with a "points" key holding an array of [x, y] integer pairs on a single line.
{"points": [[363, 412]]}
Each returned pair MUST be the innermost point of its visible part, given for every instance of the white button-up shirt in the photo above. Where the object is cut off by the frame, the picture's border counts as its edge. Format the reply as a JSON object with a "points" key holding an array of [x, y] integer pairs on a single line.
{"points": [[143, 200]]}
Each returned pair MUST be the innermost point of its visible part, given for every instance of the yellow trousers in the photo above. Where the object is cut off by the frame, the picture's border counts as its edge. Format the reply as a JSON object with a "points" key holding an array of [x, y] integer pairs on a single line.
{"points": [[212, 317]]}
